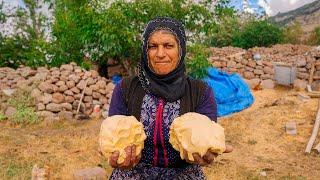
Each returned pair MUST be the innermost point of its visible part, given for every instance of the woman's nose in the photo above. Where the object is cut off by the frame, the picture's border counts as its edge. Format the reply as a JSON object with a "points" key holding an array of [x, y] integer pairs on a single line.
{"points": [[160, 52]]}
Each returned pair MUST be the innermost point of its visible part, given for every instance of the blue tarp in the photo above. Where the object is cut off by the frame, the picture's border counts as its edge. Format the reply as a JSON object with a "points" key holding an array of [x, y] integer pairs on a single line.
{"points": [[231, 92], [116, 79]]}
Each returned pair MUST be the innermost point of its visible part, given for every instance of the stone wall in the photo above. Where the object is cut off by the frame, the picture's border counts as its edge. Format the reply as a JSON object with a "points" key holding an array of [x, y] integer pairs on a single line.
{"points": [[257, 64], [57, 91]]}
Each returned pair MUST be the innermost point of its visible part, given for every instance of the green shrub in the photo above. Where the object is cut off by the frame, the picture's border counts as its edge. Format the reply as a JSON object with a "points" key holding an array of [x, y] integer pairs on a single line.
{"points": [[197, 61], [259, 33], [292, 33], [314, 37], [25, 108], [317, 33], [2, 116], [20, 50]]}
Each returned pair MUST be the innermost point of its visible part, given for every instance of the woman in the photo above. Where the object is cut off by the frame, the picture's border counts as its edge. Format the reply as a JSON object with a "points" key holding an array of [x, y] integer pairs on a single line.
{"points": [[161, 92]]}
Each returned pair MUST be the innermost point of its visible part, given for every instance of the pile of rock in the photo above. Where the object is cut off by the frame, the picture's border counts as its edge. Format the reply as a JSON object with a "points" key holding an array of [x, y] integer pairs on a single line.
{"points": [[58, 91], [257, 64]]}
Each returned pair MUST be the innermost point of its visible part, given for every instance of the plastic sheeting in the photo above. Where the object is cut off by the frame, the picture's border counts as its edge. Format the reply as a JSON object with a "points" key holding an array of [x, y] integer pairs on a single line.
{"points": [[231, 92]]}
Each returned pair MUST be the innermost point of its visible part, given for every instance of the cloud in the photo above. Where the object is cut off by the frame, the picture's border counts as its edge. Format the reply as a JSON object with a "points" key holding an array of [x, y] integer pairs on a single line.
{"points": [[286, 5]]}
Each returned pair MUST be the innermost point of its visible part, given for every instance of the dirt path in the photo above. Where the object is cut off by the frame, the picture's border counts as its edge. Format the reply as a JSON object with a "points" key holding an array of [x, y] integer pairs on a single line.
{"points": [[257, 134]]}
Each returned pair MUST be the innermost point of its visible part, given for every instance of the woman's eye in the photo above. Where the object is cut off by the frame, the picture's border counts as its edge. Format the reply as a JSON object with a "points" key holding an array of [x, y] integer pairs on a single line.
{"points": [[151, 47], [169, 46]]}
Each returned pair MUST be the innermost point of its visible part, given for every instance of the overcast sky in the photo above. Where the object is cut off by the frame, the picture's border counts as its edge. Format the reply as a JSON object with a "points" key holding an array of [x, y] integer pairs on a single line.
{"points": [[286, 5]]}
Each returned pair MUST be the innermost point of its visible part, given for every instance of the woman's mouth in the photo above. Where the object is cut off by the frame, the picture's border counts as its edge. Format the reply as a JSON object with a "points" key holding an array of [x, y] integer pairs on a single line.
{"points": [[162, 62]]}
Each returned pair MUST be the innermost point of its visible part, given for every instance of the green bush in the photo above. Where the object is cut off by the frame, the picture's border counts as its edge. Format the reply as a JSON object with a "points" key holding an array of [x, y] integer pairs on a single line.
{"points": [[259, 33], [2, 116], [25, 108], [317, 33], [20, 50], [197, 61], [292, 33]]}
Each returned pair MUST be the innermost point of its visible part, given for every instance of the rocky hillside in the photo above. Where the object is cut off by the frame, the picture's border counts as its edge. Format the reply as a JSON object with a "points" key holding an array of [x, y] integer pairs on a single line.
{"points": [[308, 16]]}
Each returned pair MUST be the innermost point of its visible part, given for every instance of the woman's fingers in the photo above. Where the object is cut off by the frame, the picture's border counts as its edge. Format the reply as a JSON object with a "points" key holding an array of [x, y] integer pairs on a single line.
{"points": [[185, 155], [137, 159], [133, 155], [127, 160], [229, 149], [113, 159], [209, 157], [198, 159]]}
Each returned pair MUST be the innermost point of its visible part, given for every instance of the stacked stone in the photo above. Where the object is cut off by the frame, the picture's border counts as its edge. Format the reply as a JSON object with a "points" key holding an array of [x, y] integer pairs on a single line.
{"points": [[58, 90], [256, 64], [12, 79]]}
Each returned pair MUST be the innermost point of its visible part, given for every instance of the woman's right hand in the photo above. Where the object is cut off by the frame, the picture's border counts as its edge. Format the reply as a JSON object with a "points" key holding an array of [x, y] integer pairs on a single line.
{"points": [[130, 161]]}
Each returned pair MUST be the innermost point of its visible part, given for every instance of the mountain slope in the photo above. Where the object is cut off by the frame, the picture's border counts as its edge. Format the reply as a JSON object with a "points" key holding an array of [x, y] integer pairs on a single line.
{"points": [[308, 16]]}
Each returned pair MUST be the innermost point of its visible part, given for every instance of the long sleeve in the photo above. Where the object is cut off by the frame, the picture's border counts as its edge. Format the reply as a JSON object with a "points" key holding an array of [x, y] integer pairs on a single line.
{"points": [[208, 105], [117, 104]]}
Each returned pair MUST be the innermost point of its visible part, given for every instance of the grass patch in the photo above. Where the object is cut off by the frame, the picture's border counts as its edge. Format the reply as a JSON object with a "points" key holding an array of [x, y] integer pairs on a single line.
{"points": [[15, 170], [25, 108], [2, 116]]}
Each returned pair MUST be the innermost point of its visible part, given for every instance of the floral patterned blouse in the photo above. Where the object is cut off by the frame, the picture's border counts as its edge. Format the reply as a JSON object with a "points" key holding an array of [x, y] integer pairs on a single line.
{"points": [[156, 117]]}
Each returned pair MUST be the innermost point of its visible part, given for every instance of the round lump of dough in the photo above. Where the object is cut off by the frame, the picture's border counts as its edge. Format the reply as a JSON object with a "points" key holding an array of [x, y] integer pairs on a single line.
{"points": [[118, 132], [196, 133]]}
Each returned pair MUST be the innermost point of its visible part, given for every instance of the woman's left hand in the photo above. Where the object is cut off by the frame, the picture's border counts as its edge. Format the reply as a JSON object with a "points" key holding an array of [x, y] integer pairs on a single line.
{"points": [[208, 158]]}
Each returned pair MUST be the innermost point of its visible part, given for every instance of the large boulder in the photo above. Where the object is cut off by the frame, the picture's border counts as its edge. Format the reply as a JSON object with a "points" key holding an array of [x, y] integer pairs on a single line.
{"points": [[267, 84]]}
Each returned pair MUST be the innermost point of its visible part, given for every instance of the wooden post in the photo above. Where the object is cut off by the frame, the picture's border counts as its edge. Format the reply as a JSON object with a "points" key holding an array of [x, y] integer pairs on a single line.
{"points": [[85, 86], [314, 131], [311, 73]]}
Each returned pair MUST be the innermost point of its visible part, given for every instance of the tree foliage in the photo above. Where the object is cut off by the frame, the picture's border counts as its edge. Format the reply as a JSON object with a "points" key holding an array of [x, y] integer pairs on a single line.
{"points": [[28, 45], [257, 33], [197, 61]]}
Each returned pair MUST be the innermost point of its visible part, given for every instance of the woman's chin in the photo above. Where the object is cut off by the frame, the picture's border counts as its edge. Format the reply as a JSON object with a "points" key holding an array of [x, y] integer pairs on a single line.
{"points": [[162, 73]]}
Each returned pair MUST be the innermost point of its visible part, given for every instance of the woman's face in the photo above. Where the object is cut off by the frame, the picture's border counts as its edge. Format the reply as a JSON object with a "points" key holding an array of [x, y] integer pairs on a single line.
{"points": [[163, 52]]}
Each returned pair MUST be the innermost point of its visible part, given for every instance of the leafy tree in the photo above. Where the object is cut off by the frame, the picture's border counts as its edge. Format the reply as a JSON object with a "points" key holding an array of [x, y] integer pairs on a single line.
{"points": [[67, 32], [28, 45], [225, 25], [257, 33], [101, 29]]}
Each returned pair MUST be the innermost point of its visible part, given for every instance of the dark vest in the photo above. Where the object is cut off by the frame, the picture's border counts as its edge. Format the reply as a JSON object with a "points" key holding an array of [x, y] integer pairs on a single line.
{"points": [[133, 94]]}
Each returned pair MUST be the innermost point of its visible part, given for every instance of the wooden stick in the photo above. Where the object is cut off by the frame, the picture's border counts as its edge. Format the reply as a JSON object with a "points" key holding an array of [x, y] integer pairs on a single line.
{"points": [[314, 131], [309, 88], [85, 86], [314, 95], [317, 148], [311, 73]]}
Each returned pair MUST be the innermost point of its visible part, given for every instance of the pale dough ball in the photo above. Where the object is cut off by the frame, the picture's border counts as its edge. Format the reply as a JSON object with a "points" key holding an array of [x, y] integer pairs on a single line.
{"points": [[118, 132], [196, 133]]}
